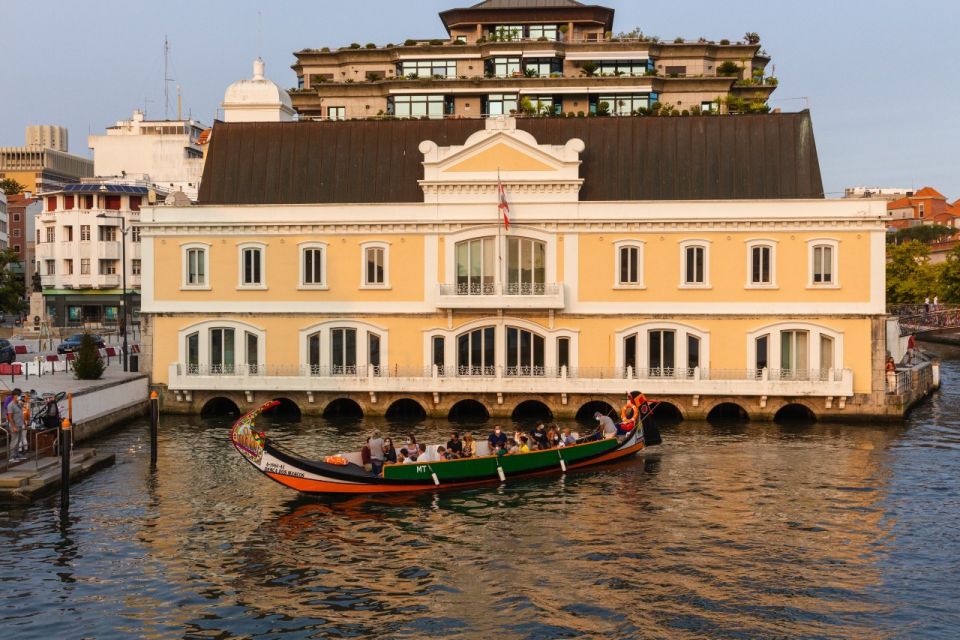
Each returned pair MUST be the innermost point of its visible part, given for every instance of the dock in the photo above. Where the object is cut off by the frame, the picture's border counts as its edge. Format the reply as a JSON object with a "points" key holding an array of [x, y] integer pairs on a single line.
{"points": [[38, 477]]}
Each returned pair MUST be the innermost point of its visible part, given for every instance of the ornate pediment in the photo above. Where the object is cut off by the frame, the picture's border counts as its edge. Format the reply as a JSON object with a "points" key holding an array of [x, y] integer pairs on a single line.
{"points": [[529, 171]]}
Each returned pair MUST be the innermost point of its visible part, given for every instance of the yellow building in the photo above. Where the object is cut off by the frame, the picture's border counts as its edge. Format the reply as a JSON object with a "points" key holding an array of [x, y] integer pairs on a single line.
{"points": [[737, 289]]}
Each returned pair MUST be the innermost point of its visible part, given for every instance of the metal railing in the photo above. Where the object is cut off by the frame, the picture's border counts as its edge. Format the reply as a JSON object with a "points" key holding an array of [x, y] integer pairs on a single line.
{"points": [[508, 289]]}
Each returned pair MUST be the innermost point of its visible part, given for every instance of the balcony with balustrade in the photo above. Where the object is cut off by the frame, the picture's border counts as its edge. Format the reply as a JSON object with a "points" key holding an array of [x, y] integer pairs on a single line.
{"points": [[496, 295]]}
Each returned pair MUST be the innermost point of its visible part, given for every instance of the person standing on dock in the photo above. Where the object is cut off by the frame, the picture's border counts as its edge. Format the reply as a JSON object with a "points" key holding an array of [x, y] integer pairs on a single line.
{"points": [[17, 425]]}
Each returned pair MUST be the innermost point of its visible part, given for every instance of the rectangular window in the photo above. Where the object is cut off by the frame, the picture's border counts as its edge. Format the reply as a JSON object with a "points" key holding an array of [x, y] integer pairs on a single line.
{"points": [[501, 104], [108, 267], [107, 234], [427, 68], [420, 106], [826, 354], [135, 202], [193, 353], [526, 267], [662, 354], [84, 266], [630, 353], [760, 272], [222, 351], [68, 202], [337, 113], [252, 353], [793, 350], [505, 67], [475, 267], [313, 266], [68, 233], [823, 264], [542, 67], [694, 265], [693, 352], [51, 203], [86, 202], [438, 353], [51, 234], [112, 203], [761, 360], [375, 266], [373, 351], [507, 33], [629, 266], [51, 267], [251, 259], [563, 353], [135, 234], [548, 31], [135, 267], [343, 351], [709, 106], [635, 67], [84, 233], [68, 267], [16, 233], [196, 267], [620, 104]]}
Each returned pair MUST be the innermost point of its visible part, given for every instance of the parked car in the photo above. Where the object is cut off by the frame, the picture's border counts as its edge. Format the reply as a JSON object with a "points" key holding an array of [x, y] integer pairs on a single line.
{"points": [[7, 353], [72, 343]]}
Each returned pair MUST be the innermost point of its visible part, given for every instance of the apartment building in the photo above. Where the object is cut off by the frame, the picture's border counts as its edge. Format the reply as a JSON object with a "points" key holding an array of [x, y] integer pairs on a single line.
{"points": [[43, 164], [82, 235], [23, 210], [639, 253], [534, 57]]}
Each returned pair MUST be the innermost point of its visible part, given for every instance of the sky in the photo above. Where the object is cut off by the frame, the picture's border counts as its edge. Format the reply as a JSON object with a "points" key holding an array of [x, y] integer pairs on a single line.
{"points": [[880, 77]]}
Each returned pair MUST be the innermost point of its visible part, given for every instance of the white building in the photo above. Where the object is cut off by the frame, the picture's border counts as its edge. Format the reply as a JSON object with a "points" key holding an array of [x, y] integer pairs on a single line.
{"points": [[256, 100], [166, 153], [80, 247], [4, 227]]}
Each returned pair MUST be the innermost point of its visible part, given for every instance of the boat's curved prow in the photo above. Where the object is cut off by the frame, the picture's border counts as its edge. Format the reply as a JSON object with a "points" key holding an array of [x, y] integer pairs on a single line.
{"points": [[246, 439]]}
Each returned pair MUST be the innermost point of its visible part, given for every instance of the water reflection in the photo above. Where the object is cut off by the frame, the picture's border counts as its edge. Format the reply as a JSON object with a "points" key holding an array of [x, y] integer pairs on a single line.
{"points": [[746, 530]]}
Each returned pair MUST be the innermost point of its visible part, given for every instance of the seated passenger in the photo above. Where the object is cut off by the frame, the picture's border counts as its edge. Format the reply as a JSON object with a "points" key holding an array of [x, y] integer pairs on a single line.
{"points": [[454, 445], [524, 444], [365, 456], [409, 458], [468, 446], [568, 437], [389, 453], [497, 438], [512, 446], [539, 436], [402, 456]]}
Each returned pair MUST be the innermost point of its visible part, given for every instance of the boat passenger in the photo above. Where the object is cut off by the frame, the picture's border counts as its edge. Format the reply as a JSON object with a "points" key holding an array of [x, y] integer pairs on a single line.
{"points": [[402, 455], [376, 452], [567, 439], [409, 458], [454, 445], [497, 438], [524, 444], [423, 455], [365, 456], [539, 436], [412, 444], [512, 446], [553, 438], [607, 427], [468, 446], [389, 453]]}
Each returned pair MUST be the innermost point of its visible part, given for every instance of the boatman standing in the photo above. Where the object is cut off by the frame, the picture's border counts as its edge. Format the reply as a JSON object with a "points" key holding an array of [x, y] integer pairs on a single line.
{"points": [[607, 426]]}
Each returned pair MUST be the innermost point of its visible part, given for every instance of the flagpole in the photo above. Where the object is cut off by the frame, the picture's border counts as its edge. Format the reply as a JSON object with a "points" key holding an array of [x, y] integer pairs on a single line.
{"points": [[500, 248]]}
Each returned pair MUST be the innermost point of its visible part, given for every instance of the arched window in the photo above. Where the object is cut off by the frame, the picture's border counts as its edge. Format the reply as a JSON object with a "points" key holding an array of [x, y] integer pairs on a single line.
{"points": [[662, 349], [695, 264], [252, 266], [761, 264], [795, 351], [218, 347], [343, 348], [476, 352], [524, 353], [313, 265], [629, 267], [476, 270], [196, 265], [526, 267]]}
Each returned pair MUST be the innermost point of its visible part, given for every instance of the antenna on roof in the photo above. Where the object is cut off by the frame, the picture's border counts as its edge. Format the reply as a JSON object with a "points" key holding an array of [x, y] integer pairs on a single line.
{"points": [[259, 34], [166, 78], [179, 104]]}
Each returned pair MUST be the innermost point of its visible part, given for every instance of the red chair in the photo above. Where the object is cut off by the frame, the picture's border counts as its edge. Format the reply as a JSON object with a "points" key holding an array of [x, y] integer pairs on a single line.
{"points": [[20, 349]]}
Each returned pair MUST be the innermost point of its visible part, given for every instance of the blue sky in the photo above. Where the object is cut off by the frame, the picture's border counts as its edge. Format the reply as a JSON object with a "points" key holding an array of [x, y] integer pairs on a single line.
{"points": [[880, 77]]}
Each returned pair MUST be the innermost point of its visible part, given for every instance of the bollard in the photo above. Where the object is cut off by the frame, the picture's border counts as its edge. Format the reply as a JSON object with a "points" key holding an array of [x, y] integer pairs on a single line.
{"points": [[154, 422], [64, 466], [70, 407]]}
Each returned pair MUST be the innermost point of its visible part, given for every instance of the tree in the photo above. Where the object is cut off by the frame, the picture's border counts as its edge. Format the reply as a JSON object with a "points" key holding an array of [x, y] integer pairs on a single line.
{"points": [[728, 68], [88, 365], [751, 37], [950, 277], [910, 276], [11, 187], [12, 285], [925, 233]]}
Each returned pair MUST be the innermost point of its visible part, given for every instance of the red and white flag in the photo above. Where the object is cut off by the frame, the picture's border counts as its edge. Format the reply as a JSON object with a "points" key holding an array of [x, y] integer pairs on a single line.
{"points": [[502, 205]]}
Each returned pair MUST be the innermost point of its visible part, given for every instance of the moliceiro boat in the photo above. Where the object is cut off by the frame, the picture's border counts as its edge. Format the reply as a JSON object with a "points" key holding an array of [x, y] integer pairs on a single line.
{"points": [[342, 473]]}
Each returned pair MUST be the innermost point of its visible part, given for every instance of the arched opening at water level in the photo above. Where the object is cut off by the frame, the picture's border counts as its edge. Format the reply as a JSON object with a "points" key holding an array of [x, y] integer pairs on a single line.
{"points": [[343, 408], [667, 414], [585, 413], [468, 411], [220, 409], [406, 410], [794, 414], [727, 413], [531, 411], [286, 411]]}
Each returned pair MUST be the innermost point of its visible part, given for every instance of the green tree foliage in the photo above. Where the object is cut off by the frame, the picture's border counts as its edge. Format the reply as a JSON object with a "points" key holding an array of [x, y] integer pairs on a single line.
{"points": [[950, 277], [910, 276], [923, 232], [88, 365], [11, 187], [12, 285]]}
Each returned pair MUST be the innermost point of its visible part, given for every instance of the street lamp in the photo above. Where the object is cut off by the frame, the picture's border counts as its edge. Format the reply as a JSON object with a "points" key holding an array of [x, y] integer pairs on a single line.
{"points": [[123, 267]]}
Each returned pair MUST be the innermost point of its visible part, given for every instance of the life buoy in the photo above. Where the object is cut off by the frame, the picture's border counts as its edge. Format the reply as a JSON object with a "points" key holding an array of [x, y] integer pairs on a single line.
{"points": [[628, 413]]}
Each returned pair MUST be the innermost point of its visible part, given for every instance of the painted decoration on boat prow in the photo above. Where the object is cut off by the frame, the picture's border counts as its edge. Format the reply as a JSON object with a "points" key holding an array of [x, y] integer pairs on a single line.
{"points": [[246, 439]]}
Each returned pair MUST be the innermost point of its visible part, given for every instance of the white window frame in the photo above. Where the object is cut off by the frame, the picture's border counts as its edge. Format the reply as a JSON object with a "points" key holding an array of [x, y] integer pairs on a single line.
{"points": [[684, 245], [643, 330], [619, 245], [451, 241], [303, 247], [240, 345], [773, 346], [262, 248], [385, 246], [500, 334], [756, 243], [185, 265], [364, 329], [834, 262]]}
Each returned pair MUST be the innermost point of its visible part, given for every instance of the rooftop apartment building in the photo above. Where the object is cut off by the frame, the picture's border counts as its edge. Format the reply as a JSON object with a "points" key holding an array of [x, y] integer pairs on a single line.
{"points": [[535, 57], [925, 206], [43, 163], [22, 211]]}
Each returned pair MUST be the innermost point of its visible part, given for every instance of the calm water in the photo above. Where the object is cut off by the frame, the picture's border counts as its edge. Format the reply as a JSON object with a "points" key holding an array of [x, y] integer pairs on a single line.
{"points": [[752, 531]]}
